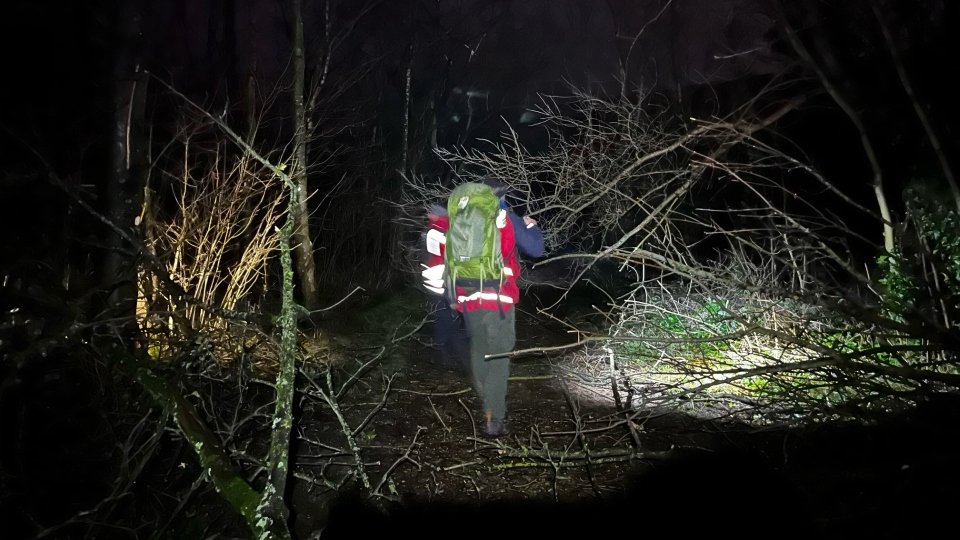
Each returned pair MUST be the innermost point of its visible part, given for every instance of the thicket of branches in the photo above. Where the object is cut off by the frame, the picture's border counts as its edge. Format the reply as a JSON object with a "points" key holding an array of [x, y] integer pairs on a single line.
{"points": [[755, 290], [211, 216], [213, 349]]}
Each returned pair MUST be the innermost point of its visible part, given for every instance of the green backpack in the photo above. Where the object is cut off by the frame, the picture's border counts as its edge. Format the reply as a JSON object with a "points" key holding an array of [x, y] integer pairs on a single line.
{"points": [[472, 254]]}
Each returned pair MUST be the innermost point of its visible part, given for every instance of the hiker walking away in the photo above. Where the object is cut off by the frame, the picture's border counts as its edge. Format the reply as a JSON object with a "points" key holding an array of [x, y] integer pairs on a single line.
{"points": [[480, 281], [448, 338]]}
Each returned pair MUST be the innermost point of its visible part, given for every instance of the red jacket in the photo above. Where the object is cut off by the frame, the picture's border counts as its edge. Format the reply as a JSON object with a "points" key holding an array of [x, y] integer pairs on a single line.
{"points": [[487, 299]]}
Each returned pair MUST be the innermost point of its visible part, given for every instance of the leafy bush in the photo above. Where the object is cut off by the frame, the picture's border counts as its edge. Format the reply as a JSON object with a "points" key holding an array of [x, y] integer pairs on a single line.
{"points": [[920, 277]]}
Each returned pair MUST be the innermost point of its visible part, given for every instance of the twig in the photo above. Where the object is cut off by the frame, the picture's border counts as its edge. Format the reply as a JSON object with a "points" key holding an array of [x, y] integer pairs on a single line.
{"points": [[568, 464], [461, 465], [454, 393], [378, 408], [344, 426], [651, 339], [598, 456], [578, 424], [401, 459], [442, 423], [356, 374], [412, 332], [472, 481], [472, 422], [357, 288]]}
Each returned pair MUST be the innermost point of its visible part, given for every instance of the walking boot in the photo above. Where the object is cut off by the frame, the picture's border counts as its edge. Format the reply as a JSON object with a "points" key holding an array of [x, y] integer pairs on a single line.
{"points": [[495, 426]]}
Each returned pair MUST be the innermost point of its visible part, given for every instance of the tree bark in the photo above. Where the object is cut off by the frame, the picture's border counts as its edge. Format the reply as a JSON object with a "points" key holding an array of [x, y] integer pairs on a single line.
{"points": [[303, 245], [124, 188], [405, 142], [278, 458]]}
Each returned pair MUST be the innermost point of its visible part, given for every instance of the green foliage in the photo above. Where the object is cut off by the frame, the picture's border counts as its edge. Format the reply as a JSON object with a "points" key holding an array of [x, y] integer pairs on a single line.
{"points": [[703, 318], [924, 270], [899, 284], [937, 223]]}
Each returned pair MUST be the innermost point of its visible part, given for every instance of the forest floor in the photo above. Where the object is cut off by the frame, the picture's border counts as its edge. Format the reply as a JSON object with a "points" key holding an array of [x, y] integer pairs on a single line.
{"points": [[572, 461], [571, 464]]}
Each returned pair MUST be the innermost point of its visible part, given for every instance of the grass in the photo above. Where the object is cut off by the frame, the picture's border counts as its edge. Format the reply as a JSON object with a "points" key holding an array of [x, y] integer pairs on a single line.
{"points": [[792, 372]]}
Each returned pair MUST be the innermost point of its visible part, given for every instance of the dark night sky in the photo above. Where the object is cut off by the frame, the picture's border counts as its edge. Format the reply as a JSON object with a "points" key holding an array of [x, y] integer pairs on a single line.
{"points": [[63, 57], [518, 48]]}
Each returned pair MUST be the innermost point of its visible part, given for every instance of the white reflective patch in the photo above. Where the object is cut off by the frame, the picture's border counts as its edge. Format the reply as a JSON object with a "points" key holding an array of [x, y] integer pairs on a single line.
{"points": [[507, 271], [434, 239], [502, 219], [434, 273], [485, 296], [438, 290], [463, 202]]}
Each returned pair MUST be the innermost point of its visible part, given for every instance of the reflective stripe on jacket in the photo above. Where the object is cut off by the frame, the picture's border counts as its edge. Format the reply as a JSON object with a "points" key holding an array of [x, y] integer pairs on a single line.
{"points": [[434, 269], [436, 240]]}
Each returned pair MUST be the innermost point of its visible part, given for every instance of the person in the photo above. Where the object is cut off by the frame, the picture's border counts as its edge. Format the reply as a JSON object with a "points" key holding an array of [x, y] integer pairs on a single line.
{"points": [[449, 338], [491, 325]]}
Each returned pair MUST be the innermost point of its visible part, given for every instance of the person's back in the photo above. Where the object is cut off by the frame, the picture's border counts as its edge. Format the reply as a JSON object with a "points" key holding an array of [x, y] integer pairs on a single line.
{"points": [[487, 300]]}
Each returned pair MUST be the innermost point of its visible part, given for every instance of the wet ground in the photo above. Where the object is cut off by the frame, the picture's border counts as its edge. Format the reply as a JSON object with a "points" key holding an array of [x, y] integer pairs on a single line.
{"points": [[572, 463], [570, 466]]}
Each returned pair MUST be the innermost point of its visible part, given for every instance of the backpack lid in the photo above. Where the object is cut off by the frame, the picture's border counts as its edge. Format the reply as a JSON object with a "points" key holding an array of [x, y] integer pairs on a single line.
{"points": [[476, 195]]}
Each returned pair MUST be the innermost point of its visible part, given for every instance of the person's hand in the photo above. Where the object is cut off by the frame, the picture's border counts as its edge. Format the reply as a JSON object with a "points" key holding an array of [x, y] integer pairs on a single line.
{"points": [[529, 221]]}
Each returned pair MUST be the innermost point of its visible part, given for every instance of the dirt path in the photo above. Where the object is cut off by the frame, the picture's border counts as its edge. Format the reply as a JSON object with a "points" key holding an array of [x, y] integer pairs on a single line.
{"points": [[420, 449], [438, 406]]}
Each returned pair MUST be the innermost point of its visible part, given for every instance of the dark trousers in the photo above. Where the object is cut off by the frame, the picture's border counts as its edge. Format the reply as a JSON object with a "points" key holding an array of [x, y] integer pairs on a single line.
{"points": [[449, 336], [491, 332]]}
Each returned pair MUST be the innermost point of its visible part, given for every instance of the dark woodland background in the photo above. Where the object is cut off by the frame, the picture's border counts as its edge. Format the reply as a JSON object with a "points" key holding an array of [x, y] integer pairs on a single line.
{"points": [[96, 108]]}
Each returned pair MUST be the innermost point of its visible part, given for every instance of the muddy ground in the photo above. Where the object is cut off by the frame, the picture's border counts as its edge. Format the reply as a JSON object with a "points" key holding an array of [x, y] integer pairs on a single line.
{"points": [[67, 432], [670, 472]]}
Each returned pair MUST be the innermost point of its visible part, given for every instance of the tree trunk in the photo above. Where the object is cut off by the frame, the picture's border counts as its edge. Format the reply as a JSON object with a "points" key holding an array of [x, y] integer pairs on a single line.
{"points": [[405, 142], [278, 459], [303, 246], [124, 188]]}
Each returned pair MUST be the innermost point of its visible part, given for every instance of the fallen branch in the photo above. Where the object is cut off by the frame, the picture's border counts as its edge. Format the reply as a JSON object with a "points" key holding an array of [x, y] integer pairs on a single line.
{"points": [[437, 414], [541, 458], [401, 459], [356, 375], [378, 408], [214, 461], [328, 397], [328, 308], [472, 421]]}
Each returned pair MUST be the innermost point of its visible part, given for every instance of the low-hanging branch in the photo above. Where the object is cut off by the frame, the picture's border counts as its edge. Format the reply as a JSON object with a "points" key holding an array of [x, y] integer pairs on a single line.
{"points": [[624, 339]]}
